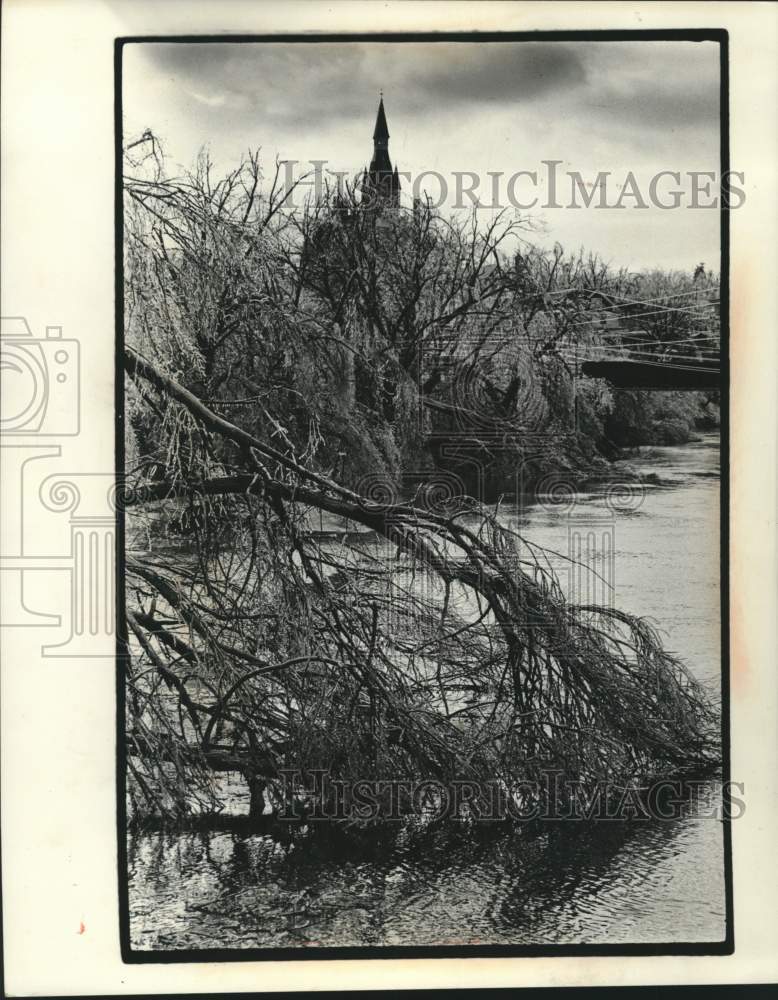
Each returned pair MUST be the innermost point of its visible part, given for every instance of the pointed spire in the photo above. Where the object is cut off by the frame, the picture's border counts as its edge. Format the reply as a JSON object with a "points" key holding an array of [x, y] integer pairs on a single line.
{"points": [[381, 131], [382, 178]]}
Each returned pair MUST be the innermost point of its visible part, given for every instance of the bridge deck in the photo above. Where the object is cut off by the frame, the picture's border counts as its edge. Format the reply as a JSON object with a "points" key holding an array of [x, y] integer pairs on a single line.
{"points": [[654, 375]]}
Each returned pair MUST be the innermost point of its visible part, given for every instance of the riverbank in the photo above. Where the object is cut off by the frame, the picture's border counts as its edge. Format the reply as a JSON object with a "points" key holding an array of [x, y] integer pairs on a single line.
{"points": [[576, 456]]}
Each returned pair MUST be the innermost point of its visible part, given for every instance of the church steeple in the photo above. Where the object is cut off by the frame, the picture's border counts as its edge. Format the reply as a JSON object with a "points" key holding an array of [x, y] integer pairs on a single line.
{"points": [[381, 130], [381, 178]]}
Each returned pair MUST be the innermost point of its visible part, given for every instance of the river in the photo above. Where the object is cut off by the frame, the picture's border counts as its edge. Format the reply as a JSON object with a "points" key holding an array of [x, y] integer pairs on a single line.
{"points": [[646, 881]]}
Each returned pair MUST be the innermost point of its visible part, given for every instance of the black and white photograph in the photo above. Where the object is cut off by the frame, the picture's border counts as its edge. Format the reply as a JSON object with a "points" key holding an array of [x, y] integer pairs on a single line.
{"points": [[388, 436], [424, 417]]}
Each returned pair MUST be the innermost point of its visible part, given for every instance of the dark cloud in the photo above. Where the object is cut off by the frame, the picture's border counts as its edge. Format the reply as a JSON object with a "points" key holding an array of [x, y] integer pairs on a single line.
{"points": [[297, 82], [499, 72], [285, 88], [658, 86]]}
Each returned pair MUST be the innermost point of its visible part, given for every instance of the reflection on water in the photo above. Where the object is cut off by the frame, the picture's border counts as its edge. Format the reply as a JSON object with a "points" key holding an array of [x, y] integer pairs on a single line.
{"points": [[604, 883], [613, 882]]}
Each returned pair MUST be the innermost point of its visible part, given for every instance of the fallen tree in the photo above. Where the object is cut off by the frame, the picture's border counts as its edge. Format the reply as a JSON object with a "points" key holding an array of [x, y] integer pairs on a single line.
{"points": [[283, 368], [435, 644]]}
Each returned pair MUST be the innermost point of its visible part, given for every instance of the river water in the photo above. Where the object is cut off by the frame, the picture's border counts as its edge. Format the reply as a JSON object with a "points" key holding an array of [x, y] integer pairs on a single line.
{"points": [[653, 550]]}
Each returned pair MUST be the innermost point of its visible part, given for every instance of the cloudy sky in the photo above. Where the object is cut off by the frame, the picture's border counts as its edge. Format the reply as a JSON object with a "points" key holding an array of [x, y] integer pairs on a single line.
{"points": [[615, 106]]}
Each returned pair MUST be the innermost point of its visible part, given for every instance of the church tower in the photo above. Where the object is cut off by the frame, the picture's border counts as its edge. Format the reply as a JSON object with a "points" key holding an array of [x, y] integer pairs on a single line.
{"points": [[381, 181]]}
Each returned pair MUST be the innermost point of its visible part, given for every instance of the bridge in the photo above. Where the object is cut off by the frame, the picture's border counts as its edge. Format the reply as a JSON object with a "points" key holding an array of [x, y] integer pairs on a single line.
{"points": [[684, 355], [659, 374]]}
